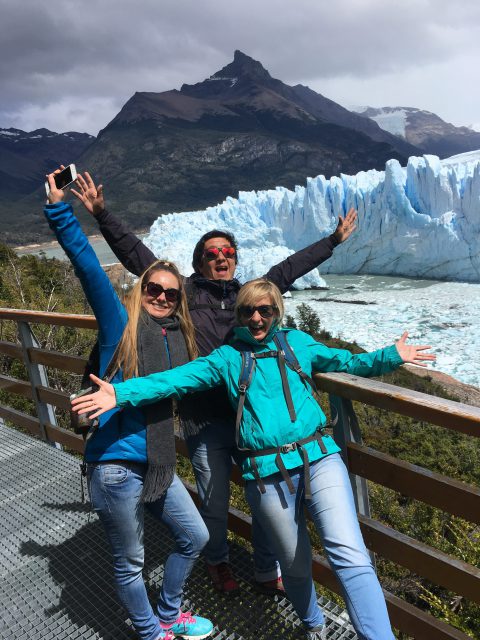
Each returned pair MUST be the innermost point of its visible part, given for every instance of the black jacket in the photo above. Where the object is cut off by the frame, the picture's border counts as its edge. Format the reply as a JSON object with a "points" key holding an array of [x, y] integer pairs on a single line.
{"points": [[211, 302]]}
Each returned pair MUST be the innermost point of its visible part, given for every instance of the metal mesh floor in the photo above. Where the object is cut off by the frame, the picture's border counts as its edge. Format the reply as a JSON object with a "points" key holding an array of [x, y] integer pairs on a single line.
{"points": [[55, 568]]}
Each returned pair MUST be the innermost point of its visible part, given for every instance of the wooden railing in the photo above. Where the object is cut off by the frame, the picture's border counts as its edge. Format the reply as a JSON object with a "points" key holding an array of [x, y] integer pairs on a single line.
{"points": [[364, 464]]}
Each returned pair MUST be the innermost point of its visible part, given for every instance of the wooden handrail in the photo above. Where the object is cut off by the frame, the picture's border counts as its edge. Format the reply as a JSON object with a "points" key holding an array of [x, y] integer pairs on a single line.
{"points": [[421, 406], [40, 317]]}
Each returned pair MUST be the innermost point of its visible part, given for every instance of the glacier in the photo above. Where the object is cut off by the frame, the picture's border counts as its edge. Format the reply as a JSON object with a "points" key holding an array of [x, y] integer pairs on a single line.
{"points": [[422, 220]]}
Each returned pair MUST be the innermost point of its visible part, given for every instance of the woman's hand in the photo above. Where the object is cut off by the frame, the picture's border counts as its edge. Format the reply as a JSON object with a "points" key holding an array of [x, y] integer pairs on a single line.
{"points": [[412, 353], [89, 194], [101, 401], [55, 195]]}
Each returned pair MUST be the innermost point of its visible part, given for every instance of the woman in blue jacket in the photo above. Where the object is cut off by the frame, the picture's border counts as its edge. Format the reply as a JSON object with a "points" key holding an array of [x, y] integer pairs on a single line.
{"points": [[288, 461], [131, 456]]}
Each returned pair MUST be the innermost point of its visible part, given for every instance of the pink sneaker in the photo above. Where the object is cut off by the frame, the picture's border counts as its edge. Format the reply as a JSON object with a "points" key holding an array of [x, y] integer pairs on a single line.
{"points": [[189, 627]]}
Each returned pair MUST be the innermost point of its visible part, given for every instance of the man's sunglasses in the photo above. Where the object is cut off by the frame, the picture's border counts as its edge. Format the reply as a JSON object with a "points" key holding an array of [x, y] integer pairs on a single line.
{"points": [[154, 290], [212, 253], [265, 310]]}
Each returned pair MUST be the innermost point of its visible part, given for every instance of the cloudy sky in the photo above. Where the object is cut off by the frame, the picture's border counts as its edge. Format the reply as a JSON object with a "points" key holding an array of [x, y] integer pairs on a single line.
{"points": [[70, 65]]}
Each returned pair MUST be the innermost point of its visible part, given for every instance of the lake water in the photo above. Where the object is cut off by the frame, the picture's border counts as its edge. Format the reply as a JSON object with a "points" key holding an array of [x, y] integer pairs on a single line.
{"points": [[445, 315]]}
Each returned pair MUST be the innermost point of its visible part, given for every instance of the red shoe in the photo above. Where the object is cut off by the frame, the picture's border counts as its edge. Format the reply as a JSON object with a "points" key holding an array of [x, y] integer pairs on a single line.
{"points": [[222, 578], [270, 587]]}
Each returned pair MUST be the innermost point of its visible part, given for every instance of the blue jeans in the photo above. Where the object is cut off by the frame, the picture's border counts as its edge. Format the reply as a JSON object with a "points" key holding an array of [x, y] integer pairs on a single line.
{"points": [[332, 509], [211, 453], [115, 491]]}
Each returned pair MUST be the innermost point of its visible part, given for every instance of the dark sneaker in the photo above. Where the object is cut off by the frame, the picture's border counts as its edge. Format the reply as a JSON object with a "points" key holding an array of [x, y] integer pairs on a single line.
{"points": [[189, 627], [270, 587], [222, 578], [318, 633]]}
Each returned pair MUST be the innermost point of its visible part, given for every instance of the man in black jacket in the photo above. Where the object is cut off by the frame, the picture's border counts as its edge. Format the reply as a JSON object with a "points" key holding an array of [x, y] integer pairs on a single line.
{"points": [[207, 418]]}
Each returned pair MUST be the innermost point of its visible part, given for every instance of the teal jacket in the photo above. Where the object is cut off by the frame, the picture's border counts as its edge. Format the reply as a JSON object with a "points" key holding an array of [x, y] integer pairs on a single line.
{"points": [[265, 421]]}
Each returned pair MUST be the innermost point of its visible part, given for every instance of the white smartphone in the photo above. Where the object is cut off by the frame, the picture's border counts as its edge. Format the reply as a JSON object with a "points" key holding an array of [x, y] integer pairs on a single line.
{"points": [[64, 178]]}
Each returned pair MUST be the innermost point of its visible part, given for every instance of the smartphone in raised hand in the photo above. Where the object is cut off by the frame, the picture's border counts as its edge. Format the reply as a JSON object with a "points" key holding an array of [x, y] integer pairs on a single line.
{"points": [[64, 178]]}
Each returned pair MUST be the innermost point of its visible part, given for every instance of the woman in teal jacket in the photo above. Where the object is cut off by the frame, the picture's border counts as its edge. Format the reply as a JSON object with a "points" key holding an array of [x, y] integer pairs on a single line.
{"points": [[288, 460]]}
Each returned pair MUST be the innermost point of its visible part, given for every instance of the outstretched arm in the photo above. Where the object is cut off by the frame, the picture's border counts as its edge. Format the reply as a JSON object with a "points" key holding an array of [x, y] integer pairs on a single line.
{"points": [[374, 363], [297, 265], [128, 248], [198, 375]]}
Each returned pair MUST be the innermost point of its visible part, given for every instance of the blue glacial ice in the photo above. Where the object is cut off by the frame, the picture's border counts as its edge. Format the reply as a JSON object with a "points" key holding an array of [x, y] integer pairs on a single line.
{"points": [[422, 220]]}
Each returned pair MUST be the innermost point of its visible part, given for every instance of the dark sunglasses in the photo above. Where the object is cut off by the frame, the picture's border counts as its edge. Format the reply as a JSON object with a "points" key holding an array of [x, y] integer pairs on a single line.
{"points": [[213, 252], [265, 310], [154, 290]]}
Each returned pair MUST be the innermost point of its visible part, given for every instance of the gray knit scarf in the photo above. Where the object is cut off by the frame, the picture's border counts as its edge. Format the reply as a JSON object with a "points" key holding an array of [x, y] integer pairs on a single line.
{"points": [[161, 346]]}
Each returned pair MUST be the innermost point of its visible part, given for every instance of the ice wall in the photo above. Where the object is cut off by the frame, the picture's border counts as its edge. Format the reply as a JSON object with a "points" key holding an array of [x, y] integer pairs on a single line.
{"points": [[422, 220]]}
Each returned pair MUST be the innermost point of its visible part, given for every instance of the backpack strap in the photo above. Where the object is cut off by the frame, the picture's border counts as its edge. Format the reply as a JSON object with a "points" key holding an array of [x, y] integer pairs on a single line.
{"points": [[292, 362], [246, 374]]}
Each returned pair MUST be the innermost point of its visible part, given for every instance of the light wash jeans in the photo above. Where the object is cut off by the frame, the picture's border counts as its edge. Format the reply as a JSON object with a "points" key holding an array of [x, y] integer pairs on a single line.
{"points": [[332, 509], [211, 453], [115, 491]]}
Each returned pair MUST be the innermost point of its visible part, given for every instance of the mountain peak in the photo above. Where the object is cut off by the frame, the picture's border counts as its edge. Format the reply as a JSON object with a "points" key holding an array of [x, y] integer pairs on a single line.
{"points": [[243, 65], [242, 73]]}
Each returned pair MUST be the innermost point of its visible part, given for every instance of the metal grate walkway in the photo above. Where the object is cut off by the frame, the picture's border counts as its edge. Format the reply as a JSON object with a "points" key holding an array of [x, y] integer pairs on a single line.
{"points": [[55, 568]]}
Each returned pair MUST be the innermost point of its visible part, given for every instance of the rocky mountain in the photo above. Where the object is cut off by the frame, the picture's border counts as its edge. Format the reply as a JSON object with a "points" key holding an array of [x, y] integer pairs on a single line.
{"points": [[25, 157], [239, 129], [425, 130]]}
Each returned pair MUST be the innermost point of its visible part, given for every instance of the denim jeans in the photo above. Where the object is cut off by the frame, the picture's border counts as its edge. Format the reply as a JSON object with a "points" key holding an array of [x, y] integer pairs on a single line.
{"points": [[115, 491], [332, 509], [211, 453]]}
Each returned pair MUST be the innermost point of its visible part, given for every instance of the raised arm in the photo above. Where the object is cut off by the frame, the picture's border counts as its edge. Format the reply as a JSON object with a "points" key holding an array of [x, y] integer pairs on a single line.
{"points": [[128, 248], [198, 375], [297, 265], [106, 306]]}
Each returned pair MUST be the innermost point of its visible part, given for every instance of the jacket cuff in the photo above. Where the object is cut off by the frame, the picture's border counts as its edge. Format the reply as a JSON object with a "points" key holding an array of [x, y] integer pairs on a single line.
{"points": [[395, 358], [100, 217], [333, 240]]}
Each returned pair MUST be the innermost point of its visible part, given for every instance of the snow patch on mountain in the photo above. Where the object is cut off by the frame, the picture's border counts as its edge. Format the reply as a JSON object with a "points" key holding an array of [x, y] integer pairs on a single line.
{"points": [[394, 122]]}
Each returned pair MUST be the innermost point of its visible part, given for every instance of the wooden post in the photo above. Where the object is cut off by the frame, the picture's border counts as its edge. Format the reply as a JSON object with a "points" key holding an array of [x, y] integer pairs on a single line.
{"points": [[37, 374], [347, 430]]}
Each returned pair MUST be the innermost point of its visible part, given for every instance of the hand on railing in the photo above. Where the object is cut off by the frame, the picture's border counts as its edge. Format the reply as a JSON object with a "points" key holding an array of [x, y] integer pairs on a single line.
{"points": [[411, 353], [101, 401]]}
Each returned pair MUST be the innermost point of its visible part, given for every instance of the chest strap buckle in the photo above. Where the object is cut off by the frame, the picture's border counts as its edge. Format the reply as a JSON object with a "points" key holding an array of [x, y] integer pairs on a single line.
{"points": [[286, 448]]}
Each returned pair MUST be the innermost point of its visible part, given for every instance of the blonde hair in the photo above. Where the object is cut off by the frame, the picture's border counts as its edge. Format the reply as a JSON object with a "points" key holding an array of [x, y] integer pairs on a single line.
{"points": [[254, 290], [127, 356]]}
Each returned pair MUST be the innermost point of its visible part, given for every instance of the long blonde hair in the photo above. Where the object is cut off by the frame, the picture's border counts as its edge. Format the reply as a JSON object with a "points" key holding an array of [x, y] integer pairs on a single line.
{"points": [[253, 291], [127, 356]]}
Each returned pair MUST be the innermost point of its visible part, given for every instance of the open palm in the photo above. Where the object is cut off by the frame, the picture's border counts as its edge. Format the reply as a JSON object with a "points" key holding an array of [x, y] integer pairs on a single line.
{"points": [[89, 194], [413, 353], [101, 401]]}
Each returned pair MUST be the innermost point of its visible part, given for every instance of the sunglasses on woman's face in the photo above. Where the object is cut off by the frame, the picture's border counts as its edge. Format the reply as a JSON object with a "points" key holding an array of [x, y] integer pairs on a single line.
{"points": [[212, 253], [265, 310], [154, 290]]}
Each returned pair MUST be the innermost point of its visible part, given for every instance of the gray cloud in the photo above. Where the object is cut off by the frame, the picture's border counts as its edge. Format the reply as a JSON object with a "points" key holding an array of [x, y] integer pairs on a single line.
{"points": [[72, 66]]}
